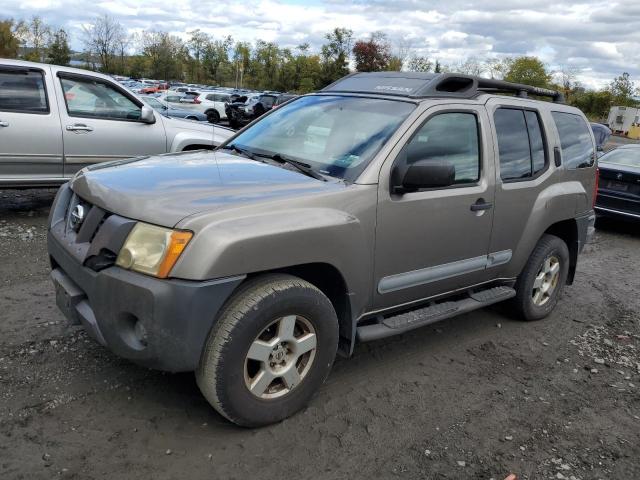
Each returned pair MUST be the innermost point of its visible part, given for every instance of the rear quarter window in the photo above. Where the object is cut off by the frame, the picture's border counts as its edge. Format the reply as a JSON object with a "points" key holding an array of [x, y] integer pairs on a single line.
{"points": [[577, 146]]}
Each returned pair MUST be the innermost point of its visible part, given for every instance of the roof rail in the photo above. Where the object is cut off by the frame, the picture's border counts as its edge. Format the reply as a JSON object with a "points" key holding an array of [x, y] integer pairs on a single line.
{"points": [[426, 85], [521, 90]]}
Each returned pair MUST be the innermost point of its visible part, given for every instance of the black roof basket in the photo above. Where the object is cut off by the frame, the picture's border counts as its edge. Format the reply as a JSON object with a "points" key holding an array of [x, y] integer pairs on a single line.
{"points": [[426, 85]]}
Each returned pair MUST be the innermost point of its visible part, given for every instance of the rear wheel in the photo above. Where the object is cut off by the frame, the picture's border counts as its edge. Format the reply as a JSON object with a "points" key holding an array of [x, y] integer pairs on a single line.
{"points": [[540, 284], [270, 350], [213, 116]]}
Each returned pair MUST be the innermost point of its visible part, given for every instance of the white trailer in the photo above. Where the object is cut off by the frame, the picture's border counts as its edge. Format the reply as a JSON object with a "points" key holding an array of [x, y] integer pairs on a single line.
{"points": [[621, 119]]}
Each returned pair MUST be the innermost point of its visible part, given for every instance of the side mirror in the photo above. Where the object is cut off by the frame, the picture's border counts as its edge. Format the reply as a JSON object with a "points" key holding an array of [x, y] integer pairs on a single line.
{"points": [[146, 115], [427, 174]]}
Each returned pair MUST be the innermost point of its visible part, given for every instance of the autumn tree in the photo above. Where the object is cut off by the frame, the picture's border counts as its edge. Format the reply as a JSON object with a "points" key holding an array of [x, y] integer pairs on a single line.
{"points": [[373, 54], [9, 38]]}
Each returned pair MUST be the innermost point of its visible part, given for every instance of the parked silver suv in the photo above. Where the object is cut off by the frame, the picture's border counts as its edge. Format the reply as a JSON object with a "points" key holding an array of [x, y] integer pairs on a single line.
{"points": [[56, 120], [386, 202]]}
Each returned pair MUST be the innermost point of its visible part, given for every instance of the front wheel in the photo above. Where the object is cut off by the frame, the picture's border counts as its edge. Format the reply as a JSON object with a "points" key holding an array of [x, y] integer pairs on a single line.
{"points": [[270, 350], [213, 116], [540, 284]]}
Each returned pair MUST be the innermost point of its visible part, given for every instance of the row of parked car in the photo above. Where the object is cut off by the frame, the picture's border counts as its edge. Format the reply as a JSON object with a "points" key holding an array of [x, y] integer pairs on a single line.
{"points": [[207, 103]]}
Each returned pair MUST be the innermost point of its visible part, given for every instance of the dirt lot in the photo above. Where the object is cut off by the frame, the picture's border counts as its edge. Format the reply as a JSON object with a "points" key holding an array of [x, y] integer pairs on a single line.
{"points": [[475, 397]]}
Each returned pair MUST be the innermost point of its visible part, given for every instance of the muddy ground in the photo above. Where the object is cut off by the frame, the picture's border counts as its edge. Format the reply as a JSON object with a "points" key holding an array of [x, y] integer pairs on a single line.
{"points": [[475, 397]]}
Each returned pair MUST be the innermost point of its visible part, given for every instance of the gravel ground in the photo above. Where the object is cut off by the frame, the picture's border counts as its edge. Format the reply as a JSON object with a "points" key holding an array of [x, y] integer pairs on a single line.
{"points": [[476, 397]]}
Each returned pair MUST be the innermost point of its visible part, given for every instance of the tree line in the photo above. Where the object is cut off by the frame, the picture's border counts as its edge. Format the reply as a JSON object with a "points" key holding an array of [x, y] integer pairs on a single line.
{"points": [[202, 58]]}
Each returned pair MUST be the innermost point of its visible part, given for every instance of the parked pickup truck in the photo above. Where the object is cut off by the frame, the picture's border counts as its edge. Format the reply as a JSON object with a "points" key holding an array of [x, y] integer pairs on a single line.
{"points": [[385, 202], [56, 120]]}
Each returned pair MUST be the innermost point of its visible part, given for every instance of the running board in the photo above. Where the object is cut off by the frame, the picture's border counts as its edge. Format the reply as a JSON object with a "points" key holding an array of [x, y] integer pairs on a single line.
{"points": [[434, 313]]}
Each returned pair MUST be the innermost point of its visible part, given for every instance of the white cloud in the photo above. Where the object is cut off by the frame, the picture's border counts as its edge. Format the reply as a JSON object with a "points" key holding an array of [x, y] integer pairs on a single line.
{"points": [[599, 38]]}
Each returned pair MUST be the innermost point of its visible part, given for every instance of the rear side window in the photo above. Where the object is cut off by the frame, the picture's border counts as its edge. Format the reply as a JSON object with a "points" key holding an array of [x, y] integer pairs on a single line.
{"points": [[521, 144], [23, 91], [449, 137], [575, 140]]}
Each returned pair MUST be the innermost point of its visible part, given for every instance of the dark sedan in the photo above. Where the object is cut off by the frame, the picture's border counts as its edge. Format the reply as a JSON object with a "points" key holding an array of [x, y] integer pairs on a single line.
{"points": [[619, 187]]}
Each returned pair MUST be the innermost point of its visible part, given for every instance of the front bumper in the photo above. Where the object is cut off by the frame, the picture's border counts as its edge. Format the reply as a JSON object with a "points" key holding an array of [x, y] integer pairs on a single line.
{"points": [[158, 323]]}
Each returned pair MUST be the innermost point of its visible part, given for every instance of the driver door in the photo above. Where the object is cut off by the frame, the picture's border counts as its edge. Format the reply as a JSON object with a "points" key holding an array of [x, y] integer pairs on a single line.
{"points": [[100, 122], [436, 240]]}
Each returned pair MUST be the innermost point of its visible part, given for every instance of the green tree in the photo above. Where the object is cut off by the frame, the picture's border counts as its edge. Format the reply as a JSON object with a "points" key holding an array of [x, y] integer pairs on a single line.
{"points": [[623, 91], [335, 55], [197, 44], [215, 58], [529, 71], [59, 52], [9, 39]]}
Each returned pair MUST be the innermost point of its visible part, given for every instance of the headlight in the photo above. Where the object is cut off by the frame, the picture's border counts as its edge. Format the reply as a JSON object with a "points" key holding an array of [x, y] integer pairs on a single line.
{"points": [[152, 250]]}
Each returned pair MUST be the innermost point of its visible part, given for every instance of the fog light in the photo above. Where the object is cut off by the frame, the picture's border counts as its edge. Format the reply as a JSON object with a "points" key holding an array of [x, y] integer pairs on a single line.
{"points": [[140, 333]]}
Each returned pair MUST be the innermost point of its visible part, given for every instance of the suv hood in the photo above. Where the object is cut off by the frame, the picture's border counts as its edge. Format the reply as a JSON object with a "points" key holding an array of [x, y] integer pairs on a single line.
{"points": [[164, 189]]}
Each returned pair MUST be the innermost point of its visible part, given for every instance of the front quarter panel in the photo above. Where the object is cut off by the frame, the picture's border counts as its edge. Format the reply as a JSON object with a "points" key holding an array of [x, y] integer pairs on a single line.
{"points": [[337, 230]]}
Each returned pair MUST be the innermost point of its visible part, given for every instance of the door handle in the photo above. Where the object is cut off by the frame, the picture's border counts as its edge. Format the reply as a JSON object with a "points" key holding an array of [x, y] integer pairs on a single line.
{"points": [[4, 124], [481, 205], [79, 127]]}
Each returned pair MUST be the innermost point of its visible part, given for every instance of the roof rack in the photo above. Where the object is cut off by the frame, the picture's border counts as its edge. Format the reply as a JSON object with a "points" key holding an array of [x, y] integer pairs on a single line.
{"points": [[427, 85]]}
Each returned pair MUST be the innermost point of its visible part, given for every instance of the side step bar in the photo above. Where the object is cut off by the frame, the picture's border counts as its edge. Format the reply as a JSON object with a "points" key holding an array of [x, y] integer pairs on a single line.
{"points": [[434, 313]]}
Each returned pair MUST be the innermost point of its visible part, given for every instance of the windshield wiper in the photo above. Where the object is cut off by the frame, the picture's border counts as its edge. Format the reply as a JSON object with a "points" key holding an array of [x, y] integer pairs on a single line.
{"points": [[301, 166], [241, 151]]}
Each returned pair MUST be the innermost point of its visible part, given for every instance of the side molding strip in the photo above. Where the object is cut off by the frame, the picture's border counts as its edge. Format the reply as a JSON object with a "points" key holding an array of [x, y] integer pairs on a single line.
{"points": [[436, 273]]}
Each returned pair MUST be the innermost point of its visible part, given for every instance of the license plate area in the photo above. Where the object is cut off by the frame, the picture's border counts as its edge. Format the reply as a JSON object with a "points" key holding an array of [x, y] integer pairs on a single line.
{"points": [[619, 186], [68, 295]]}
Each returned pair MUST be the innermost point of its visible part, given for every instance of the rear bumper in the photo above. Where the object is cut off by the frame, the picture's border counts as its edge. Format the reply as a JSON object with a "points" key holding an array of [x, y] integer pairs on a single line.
{"points": [[160, 324], [610, 204]]}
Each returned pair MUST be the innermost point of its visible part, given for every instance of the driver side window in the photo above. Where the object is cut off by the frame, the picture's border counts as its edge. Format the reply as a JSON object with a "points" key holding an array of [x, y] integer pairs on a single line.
{"points": [[451, 137], [95, 99]]}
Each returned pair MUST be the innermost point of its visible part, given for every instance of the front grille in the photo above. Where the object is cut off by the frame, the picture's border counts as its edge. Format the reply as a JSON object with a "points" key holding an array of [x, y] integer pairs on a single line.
{"points": [[98, 235]]}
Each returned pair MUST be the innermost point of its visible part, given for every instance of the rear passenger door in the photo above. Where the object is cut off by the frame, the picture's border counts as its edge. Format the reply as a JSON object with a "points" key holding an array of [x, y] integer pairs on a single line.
{"points": [[30, 136], [524, 152]]}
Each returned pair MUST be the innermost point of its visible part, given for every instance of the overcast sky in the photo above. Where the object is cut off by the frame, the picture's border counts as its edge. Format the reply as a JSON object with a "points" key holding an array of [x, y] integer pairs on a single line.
{"points": [[600, 38]]}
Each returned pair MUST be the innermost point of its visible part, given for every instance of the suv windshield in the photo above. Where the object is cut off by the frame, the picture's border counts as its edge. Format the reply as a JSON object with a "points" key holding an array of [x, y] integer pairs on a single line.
{"points": [[335, 135]]}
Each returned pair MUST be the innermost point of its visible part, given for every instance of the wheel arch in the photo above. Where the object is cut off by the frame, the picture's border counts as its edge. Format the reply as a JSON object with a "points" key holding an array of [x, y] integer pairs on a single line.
{"points": [[328, 279], [567, 231]]}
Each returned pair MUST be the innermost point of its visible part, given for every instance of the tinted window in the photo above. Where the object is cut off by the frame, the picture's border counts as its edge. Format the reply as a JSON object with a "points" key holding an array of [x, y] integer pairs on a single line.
{"points": [[449, 137], [538, 157], [575, 139], [513, 144], [22, 92], [267, 101], [91, 98]]}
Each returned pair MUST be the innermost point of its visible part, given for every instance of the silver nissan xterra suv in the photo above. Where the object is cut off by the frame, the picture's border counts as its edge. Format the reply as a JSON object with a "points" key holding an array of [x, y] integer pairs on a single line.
{"points": [[383, 203]]}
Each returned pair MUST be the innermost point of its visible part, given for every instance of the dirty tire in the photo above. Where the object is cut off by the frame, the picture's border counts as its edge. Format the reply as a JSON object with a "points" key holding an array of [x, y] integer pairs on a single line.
{"points": [[522, 305], [260, 301], [213, 116]]}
